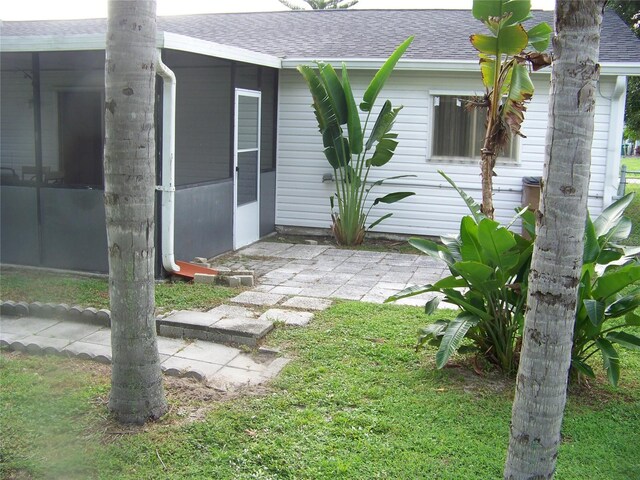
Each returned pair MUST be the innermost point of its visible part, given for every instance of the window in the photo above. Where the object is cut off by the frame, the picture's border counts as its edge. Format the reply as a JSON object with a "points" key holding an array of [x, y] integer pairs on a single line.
{"points": [[80, 139], [458, 133]]}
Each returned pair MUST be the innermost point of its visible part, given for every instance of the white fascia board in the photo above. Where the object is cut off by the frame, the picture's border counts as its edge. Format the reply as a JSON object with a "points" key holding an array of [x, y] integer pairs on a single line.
{"points": [[606, 68], [375, 64], [53, 43], [619, 68], [185, 43]]}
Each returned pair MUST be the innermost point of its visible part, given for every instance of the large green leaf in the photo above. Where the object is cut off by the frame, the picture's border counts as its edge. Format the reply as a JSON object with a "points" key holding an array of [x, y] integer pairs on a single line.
{"points": [[477, 274], [613, 281], [540, 36], [620, 230], [582, 367], [453, 337], [611, 215], [325, 112], [510, 41], [610, 360], [624, 305], [393, 197], [382, 75], [431, 305], [449, 282], [520, 90], [595, 311], [381, 181], [435, 329], [473, 206], [496, 242], [458, 299], [429, 247], [625, 340], [336, 149], [470, 249], [379, 221], [453, 244], [409, 292], [509, 11], [353, 115], [591, 245], [335, 91], [385, 149], [384, 123]]}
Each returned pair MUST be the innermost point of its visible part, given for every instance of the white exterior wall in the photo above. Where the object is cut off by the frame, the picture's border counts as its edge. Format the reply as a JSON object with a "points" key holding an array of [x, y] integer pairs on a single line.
{"points": [[436, 209]]}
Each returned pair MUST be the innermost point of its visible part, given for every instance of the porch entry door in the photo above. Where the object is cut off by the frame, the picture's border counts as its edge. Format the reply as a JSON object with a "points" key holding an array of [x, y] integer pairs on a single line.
{"points": [[247, 168]]}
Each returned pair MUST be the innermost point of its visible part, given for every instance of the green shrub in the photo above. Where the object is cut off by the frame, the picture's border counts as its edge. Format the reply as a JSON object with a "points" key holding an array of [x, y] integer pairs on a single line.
{"points": [[489, 266]]}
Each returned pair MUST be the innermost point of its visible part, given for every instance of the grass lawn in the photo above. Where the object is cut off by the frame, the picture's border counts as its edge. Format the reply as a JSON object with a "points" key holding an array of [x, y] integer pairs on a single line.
{"points": [[356, 403], [633, 212], [31, 286], [633, 164]]}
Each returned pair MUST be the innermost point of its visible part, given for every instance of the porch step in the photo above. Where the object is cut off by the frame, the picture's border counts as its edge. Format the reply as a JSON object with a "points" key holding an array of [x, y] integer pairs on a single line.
{"points": [[224, 324], [189, 270]]}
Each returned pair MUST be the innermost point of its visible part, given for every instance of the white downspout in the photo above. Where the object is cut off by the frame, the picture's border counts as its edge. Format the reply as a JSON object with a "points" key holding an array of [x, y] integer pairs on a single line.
{"points": [[616, 122], [168, 187]]}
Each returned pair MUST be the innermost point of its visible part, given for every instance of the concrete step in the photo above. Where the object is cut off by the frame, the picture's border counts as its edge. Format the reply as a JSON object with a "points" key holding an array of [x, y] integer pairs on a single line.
{"points": [[223, 324]]}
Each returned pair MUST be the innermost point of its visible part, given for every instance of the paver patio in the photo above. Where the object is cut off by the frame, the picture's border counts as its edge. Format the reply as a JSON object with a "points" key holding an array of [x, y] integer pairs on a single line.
{"points": [[324, 271]]}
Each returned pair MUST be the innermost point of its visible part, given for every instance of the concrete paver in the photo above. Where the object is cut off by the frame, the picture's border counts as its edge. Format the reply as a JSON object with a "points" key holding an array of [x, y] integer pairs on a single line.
{"points": [[257, 298], [218, 365], [288, 317], [308, 303]]}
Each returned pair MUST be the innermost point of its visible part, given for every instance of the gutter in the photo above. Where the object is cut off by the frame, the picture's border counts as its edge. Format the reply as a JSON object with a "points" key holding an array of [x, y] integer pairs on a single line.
{"points": [[168, 188]]}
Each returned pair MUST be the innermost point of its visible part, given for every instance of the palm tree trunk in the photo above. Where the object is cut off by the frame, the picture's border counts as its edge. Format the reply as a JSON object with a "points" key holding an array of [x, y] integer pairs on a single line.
{"points": [[137, 392], [541, 383]]}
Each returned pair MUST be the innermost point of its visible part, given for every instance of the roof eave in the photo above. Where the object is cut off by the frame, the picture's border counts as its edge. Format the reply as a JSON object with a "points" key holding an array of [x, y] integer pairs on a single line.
{"points": [[606, 68], [81, 42]]}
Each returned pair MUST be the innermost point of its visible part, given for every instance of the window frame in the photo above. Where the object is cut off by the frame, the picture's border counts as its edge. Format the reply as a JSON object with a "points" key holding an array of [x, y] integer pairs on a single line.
{"points": [[450, 159]]}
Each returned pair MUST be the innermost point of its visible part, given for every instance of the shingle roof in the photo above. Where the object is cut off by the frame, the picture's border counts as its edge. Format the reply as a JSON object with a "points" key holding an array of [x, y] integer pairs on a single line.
{"points": [[440, 34]]}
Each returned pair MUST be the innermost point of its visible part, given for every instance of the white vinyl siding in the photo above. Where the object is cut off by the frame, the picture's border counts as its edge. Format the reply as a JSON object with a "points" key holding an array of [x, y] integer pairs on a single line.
{"points": [[436, 209]]}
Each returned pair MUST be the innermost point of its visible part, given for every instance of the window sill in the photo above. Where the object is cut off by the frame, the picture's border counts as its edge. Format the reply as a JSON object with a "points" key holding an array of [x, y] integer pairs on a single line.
{"points": [[501, 161]]}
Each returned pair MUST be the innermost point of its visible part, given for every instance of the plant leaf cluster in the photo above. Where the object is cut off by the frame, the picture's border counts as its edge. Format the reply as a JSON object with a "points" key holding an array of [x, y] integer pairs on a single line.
{"points": [[489, 266], [350, 156]]}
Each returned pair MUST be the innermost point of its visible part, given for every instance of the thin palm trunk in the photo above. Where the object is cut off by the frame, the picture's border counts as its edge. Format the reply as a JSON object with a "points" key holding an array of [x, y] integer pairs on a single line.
{"points": [[557, 259], [129, 166]]}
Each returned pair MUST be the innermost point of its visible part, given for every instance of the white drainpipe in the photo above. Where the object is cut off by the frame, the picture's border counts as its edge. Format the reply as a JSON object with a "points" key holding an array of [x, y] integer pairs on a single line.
{"points": [[616, 122], [168, 187]]}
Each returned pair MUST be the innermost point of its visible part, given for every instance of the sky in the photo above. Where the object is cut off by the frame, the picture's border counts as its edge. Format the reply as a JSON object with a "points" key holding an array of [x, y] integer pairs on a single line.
{"points": [[66, 9]]}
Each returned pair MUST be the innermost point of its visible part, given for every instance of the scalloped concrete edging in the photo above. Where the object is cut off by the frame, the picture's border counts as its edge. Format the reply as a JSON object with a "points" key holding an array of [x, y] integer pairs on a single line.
{"points": [[94, 316]]}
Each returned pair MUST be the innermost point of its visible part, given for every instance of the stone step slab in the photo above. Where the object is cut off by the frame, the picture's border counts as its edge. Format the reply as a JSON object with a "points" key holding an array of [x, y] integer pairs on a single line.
{"points": [[217, 325]]}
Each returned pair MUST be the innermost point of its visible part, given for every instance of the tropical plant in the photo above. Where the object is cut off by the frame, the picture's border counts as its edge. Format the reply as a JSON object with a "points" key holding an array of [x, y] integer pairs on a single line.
{"points": [[489, 265], [504, 64], [606, 294], [349, 155], [320, 4]]}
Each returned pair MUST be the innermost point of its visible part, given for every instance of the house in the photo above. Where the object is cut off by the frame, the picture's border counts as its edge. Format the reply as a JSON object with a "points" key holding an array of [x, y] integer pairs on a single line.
{"points": [[248, 156]]}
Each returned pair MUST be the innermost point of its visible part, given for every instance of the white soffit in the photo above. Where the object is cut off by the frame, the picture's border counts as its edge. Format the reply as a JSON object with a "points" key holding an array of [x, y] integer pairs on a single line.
{"points": [[59, 43]]}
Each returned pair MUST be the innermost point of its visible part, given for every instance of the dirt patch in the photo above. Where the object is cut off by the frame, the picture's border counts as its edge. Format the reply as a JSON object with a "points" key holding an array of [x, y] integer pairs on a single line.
{"points": [[189, 399], [370, 244]]}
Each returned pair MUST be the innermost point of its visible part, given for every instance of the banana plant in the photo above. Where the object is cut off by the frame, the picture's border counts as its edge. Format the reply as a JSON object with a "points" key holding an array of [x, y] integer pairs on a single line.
{"points": [[350, 156], [504, 65], [608, 295]]}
